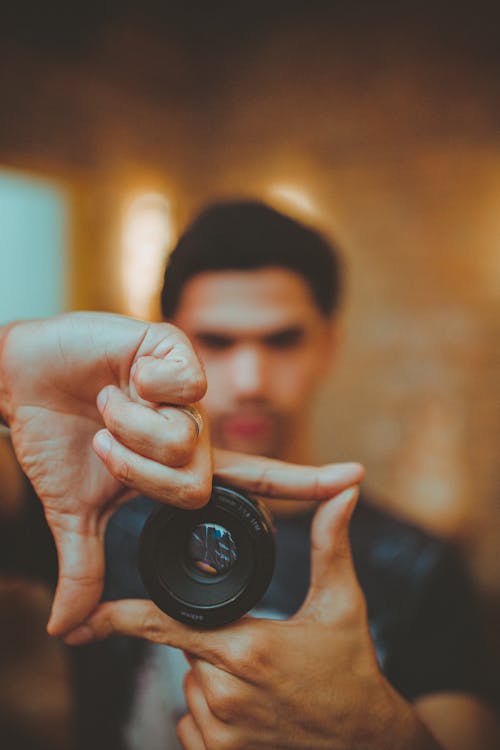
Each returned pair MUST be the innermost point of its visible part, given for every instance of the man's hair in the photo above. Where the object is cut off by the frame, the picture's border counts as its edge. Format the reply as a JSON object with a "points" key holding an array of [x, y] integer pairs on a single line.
{"points": [[249, 235]]}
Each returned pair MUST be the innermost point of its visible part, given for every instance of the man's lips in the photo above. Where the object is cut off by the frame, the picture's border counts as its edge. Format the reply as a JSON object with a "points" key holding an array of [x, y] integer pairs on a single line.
{"points": [[241, 426]]}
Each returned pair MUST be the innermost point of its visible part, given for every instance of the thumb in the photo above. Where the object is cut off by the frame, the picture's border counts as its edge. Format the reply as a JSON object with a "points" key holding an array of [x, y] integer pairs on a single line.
{"points": [[334, 587], [80, 581]]}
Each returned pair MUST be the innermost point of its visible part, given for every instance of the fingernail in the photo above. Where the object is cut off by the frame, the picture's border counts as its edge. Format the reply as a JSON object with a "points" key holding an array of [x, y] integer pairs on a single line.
{"points": [[102, 399], [346, 496], [79, 636], [348, 472], [102, 443]]}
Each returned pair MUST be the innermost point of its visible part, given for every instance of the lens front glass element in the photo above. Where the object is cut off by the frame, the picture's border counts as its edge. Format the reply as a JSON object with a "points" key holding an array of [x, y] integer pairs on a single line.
{"points": [[212, 549]]}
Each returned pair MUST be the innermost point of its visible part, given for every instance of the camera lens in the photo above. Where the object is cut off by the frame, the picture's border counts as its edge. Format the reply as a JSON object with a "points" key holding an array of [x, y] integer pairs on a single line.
{"points": [[212, 548], [209, 566]]}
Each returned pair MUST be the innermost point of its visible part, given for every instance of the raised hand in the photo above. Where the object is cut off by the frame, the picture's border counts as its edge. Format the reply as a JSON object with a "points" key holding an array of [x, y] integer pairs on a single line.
{"points": [[310, 682], [77, 392]]}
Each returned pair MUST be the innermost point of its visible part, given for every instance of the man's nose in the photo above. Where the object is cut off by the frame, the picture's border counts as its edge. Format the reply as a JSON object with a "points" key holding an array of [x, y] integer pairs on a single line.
{"points": [[249, 372]]}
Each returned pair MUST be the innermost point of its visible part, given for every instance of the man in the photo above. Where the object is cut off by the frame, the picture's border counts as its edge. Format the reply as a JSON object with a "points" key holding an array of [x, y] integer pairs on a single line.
{"points": [[379, 649]]}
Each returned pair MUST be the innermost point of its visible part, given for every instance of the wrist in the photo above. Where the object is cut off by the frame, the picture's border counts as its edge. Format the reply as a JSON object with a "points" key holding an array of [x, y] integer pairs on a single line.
{"points": [[4, 411], [419, 736], [387, 721], [406, 730]]}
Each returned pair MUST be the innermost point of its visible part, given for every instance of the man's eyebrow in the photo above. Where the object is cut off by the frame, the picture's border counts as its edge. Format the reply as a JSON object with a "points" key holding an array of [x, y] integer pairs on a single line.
{"points": [[288, 335], [213, 338]]}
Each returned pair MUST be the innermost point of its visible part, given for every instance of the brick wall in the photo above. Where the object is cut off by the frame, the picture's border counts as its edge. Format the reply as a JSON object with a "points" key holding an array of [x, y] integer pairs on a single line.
{"points": [[389, 122]]}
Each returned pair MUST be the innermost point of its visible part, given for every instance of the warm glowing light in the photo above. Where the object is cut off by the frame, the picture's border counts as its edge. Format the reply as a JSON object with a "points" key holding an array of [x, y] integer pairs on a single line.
{"points": [[293, 197], [147, 235]]}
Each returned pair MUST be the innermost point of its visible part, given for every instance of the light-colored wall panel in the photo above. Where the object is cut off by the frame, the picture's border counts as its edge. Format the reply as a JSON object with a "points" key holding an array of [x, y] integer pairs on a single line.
{"points": [[33, 247]]}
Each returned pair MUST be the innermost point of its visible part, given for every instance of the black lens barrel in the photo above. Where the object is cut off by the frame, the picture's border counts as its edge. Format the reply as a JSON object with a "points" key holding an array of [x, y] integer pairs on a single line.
{"points": [[207, 567]]}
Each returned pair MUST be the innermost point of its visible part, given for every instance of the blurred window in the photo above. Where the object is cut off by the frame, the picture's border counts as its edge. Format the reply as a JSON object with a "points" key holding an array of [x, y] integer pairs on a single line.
{"points": [[33, 247]]}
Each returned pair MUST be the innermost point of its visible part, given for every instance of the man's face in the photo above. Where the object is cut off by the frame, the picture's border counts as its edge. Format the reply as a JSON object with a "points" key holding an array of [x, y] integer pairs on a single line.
{"points": [[265, 346]]}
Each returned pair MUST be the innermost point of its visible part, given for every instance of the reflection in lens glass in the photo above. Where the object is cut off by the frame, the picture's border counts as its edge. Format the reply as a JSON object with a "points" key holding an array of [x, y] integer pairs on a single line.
{"points": [[212, 548]]}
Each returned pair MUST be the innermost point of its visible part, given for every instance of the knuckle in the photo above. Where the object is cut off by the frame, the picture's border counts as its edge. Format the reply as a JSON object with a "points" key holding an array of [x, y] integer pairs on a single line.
{"points": [[218, 739], [317, 490], [109, 417], [140, 375], [183, 727], [182, 495], [177, 437], [177, 456], [194, 492], [151, 628], [180, 452], [123, 472], [200, 495], [222, 701], [250, 656], [103, 623], [194, 384], [264, 484], [185, 431], [241, 657]]}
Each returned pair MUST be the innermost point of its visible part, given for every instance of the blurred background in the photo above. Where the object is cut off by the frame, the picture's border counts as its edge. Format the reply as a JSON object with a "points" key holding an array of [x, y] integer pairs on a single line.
{"points": [[375, 121]]}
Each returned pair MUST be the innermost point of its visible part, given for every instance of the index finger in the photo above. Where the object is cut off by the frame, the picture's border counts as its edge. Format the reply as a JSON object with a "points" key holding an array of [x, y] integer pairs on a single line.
{"points": [[278, 479]]}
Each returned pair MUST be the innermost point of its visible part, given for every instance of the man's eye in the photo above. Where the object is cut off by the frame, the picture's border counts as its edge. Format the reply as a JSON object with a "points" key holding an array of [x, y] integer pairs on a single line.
{"points": [[285, 339], [213, 341]]}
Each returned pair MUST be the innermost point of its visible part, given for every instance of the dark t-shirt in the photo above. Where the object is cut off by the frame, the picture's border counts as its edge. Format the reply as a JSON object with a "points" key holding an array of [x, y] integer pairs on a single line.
{"points": [[421, 610]]}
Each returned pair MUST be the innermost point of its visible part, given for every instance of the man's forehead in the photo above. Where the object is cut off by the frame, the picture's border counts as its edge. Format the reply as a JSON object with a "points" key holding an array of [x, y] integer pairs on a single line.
{"points": [[266, 297]]}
